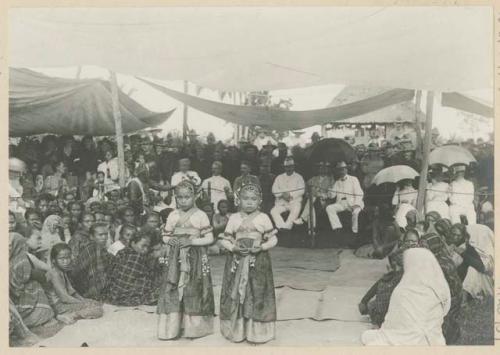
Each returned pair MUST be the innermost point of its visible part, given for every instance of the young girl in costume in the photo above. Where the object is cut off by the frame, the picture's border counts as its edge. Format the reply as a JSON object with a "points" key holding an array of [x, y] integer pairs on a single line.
{"points": [[186, 300], [248, 304]]}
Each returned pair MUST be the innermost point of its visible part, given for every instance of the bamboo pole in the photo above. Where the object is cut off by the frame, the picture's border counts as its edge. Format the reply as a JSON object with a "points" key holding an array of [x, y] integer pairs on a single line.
{"points": [[312, 219], [236, 127], [427, 148], [418, 126], [118, 128], [185, 115], [78, 72]]}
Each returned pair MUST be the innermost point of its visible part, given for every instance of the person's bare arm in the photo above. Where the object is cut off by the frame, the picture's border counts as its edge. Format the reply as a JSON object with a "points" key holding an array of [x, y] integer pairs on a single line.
{"points": [[61, 292]]}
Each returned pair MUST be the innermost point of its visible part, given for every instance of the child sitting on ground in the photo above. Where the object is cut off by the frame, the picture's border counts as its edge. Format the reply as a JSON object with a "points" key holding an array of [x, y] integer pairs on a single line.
{"points": [[219, 223], [68, 305]]}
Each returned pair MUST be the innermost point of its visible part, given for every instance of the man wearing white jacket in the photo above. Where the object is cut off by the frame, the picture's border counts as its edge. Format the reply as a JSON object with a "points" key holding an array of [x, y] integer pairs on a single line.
{"points": [[288, 188], [349, 196]]}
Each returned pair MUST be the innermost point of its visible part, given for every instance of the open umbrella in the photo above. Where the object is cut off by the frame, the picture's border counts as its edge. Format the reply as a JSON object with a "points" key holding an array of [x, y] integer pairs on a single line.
{"points": [[330, 150], [449, 155], [394, 174]]}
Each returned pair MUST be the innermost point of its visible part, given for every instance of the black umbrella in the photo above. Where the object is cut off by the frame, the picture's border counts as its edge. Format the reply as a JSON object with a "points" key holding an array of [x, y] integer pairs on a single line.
{"points": [[330, 150]]}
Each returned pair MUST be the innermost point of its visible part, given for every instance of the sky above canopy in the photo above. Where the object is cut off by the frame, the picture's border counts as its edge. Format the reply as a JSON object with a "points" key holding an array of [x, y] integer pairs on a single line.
{"points": [[266, 48]]}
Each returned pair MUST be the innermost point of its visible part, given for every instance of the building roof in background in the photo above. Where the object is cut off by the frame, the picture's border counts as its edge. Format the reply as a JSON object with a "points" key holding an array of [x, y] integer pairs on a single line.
{"points": [[387, 115]]}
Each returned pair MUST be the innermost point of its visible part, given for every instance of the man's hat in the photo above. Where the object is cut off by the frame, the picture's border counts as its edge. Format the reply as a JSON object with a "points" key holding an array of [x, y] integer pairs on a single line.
{"points": [[288, 161], [17, 165], [459, 168], [372, 147], [341, 165]]}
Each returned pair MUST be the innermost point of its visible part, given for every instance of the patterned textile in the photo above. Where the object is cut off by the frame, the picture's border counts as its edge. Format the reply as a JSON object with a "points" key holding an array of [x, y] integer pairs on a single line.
{"points": [[26, 294], [257, 300], [89, 274], [451, 324], [186, 282], [78, 241], [379, 306], [131, 280]]}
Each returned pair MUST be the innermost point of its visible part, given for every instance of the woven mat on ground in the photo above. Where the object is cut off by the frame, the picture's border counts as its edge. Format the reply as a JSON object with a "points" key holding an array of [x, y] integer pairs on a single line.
{"points": [[303, 269], [327, 315]]}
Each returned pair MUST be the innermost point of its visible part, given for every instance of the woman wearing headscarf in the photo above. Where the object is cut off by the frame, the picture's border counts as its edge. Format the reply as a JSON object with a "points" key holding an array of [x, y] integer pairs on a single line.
{"points": [[51, 235], [451, 325], [418, 304], [475, 246], [26, 293]]}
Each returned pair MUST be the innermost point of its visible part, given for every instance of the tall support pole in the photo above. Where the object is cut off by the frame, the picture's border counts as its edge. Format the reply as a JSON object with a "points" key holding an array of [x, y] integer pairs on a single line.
{"points": [[185, 115], [118, 128], [79, 72], [236, 127], [418, 126], [427, 148], [312, 216]]}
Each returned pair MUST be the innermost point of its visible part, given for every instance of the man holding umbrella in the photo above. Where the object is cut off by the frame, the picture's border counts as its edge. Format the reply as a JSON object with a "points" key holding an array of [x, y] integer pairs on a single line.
{"points": [[461, 196], [349, 196]]}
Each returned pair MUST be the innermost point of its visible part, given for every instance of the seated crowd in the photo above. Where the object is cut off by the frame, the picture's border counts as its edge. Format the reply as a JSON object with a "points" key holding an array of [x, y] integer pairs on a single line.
{"points": [[78, 239]]}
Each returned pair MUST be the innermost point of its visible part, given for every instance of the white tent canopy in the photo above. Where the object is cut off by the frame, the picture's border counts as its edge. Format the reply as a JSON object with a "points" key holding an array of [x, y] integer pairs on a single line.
{"points": [[243, 49]]}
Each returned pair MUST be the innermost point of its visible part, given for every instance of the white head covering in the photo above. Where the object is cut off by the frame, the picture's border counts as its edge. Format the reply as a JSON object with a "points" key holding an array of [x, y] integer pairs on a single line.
{"points": [[418, 304], [50, 238]]}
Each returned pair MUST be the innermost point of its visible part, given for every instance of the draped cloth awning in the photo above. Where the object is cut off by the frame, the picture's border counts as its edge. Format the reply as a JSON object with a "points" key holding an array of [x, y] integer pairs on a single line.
{"points": [[444, 49], [40, 104], [282, 120], [468, 104]]}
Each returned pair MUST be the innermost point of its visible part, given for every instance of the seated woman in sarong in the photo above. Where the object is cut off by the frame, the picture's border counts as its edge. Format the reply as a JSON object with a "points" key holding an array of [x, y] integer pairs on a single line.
{"points": [[131, 275], [382, 291], [186, 302], [248, 302], [66, 302], [418, 304], [451, 325], [18, 331], [89, 275], [26, 294], [474, 244], [81, 236]]}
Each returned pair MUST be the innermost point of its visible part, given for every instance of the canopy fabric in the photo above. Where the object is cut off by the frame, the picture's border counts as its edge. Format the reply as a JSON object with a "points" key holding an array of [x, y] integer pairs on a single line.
{"points": [[283, 120], [465, 103], [444, 49], [41, 104], [405, 110]]}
